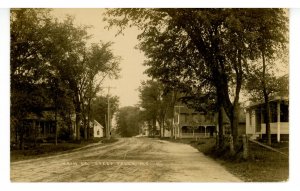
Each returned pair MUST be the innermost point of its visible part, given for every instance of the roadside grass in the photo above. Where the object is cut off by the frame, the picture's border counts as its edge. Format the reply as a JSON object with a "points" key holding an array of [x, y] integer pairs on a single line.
{"points": [[262, 165], [48, 149]]}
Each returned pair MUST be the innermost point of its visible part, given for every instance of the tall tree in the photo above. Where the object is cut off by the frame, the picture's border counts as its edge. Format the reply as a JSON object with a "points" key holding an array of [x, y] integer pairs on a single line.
{"points": [[220, 41], [99, 108], [156, 102], [262, 85], [270, 42], [28, 67], [100, 63], [52, 55], [128, 121], [82, 68]]}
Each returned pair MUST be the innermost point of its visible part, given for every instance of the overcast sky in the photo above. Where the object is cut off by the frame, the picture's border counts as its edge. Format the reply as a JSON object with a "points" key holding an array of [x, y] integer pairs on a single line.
{"points": [[131, 59]]}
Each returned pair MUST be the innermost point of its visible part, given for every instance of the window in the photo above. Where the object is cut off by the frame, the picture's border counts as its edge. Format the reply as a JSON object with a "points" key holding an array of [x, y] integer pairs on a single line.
{"points": [[273, 111], [284, 112], [98, 132]]}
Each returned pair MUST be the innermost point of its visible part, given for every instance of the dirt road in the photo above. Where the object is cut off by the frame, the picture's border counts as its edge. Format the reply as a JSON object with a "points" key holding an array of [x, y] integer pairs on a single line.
{"points": [[128, 160]]}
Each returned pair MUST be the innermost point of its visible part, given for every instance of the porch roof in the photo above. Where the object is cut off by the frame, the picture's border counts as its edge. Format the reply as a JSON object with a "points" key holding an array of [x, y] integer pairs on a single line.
{"points": [[275, 99]]}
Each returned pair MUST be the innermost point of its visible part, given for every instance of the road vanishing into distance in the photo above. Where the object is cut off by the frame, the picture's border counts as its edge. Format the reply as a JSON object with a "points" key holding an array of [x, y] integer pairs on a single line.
{"points": [[127, 160]]}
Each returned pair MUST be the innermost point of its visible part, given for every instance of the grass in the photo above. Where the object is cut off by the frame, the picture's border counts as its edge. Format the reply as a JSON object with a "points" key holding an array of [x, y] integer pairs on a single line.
{"points": [[262, 165], [49, 149]]}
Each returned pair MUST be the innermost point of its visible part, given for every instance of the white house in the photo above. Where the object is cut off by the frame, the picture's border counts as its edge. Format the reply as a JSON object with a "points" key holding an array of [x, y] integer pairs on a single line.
{"points": [[144, 129], [279, 119], [98, 129]]}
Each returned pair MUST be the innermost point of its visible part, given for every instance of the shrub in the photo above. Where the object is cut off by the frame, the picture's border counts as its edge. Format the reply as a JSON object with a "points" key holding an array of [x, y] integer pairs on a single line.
{"points": [[64, 134]]}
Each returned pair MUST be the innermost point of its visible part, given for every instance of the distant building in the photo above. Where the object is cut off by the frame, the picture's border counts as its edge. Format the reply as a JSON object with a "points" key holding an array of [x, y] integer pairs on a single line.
{"points": [[40, 126], [279, 119], [98, 129], [144, 129], [226, 123], [167, 132], [189, 123]]}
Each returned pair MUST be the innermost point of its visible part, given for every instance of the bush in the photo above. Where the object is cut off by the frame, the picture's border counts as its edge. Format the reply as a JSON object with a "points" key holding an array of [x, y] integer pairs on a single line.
{"points": [[64, 134]]}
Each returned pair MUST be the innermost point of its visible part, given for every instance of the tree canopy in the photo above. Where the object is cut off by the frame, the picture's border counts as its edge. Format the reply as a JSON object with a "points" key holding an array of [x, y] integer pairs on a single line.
{"points": [[52, 65], [128, 121], [205, 50]]}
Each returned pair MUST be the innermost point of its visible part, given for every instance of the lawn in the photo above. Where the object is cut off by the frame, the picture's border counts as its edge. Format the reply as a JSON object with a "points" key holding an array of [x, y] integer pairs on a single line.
{"points": [[48, 149], [263, 165]]}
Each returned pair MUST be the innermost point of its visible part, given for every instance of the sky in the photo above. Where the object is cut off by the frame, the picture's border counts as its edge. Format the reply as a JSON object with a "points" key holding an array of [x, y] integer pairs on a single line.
{"points": [[131, 63], [131, 59]]}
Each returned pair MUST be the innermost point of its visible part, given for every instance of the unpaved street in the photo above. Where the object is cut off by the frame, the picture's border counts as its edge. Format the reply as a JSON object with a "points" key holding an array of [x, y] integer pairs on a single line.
{"points": [[128, 160]]}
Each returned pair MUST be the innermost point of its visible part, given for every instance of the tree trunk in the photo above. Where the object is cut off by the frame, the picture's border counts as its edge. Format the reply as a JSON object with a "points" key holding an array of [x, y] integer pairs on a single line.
{"points": [[174, 96], [34, 133], [85, 128], [267, 119], [266, 99], [220, 142], [234, 121], [77, 105], [235, 108], [55, 119], [160, 128], [77, 126], [70, 124], [21, 134], [16, 133], [172, 129], [223, 102], [106, 134], [153, 127], [88, 126], [78, 116], [84, 120], [21, 146]]}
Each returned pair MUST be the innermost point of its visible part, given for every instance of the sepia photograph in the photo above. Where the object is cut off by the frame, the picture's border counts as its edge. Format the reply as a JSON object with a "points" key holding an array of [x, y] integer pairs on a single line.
{"points": [[149, 95]]}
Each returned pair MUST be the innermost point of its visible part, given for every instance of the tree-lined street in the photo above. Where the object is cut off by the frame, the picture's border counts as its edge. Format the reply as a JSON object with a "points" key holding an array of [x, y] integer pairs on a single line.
{"points": [[210, 74]]}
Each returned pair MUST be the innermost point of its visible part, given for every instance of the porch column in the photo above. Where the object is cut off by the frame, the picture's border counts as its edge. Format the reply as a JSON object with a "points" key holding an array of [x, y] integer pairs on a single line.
{"points": [[179, 131], [278, 121], [261, 120], [174, 130], [178, 135], [204, 131]]}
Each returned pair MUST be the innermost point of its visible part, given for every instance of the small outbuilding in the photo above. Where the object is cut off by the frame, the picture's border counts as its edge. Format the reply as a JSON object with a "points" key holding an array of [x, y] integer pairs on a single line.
{"points": [[97, 129]]}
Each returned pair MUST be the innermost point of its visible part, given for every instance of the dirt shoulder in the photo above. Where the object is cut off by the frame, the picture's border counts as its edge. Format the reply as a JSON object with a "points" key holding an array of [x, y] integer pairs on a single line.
{"points": [[50, 149], [263, 165]]}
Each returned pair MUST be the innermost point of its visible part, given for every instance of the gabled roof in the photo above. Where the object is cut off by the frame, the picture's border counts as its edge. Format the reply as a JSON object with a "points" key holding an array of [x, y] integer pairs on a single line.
{"points": [[98, 124]]}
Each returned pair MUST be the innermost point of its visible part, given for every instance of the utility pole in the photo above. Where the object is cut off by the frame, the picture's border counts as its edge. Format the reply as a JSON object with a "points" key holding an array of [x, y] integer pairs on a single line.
{"points": [[108, 113]]}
